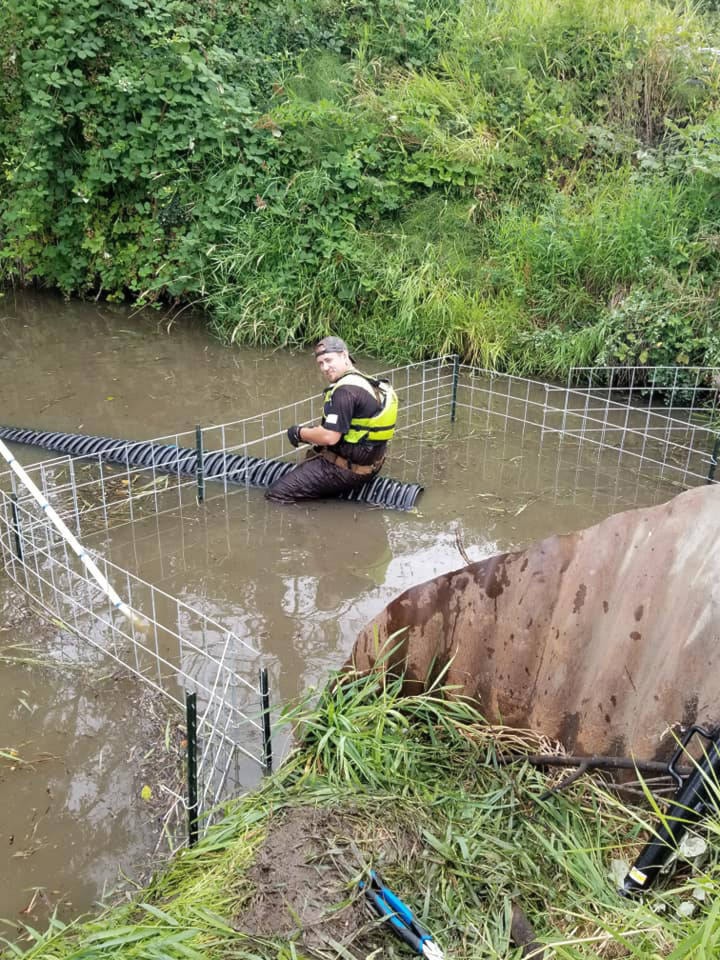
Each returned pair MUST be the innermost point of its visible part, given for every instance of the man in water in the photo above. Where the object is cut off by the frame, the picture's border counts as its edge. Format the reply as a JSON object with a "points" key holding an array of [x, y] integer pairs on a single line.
{"points": [[359, 415]]}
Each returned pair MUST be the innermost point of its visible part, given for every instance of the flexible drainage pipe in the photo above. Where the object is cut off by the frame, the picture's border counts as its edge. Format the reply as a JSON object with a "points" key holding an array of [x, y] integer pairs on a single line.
{"points": [[182, 461]]}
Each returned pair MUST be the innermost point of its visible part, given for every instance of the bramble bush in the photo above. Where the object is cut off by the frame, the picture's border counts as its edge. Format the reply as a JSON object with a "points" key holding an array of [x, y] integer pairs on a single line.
{"points": [[533, 184]]}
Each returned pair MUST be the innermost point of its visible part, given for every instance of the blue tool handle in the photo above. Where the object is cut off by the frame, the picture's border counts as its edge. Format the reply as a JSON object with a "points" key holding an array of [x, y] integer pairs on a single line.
{"points": [[401, 908], [404, 933], [397, 905]]}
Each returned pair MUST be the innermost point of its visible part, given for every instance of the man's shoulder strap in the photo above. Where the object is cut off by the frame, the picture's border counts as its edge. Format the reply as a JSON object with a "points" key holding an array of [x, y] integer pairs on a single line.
{"points": [[354, 378]]}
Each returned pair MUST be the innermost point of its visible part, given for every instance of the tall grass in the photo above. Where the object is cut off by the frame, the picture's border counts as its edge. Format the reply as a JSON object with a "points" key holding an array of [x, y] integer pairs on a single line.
{"points": [[531, 292], [630, 60], [459, 835], [501, 199], [494, 178], [578, 253]]}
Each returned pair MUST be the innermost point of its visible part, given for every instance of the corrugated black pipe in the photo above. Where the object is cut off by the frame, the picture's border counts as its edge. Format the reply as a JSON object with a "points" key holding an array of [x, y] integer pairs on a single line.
{"points": [[183, 461]]}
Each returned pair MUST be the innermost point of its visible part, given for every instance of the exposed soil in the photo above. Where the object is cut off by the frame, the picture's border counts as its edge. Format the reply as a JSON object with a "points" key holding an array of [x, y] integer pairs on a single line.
{"points": [[305, 880]]}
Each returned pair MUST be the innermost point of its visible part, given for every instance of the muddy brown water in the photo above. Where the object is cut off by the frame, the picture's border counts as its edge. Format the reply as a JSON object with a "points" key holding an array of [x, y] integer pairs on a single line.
{"points": [[298, 582]]}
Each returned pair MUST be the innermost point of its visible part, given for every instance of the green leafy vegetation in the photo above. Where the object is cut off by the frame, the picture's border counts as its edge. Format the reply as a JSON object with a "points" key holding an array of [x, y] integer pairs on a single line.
{"points": [[533, 184], [416, 788]]}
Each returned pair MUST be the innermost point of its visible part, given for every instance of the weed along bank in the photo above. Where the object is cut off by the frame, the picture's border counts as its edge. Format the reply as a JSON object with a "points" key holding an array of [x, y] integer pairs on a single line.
{"points": [[432, 779], [532, 185]]}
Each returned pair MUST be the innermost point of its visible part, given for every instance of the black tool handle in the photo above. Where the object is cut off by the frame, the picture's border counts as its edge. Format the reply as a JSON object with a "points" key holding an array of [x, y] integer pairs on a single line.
{"points": [[682, 751], [398, 925], [689, 805]]}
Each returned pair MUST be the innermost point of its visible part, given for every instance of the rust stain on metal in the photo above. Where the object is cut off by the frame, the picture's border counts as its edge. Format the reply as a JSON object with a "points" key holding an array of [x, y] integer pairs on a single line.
{"points": [[579, 598], [547, 637]]}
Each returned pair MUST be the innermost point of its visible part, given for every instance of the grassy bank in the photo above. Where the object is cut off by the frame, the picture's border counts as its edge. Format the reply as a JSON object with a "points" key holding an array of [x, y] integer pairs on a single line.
{"points": [[417, 790], [533, 184]]}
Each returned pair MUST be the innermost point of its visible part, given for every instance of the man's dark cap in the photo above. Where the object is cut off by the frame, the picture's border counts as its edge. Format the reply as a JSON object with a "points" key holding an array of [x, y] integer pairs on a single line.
{"points": [[332, 345]]}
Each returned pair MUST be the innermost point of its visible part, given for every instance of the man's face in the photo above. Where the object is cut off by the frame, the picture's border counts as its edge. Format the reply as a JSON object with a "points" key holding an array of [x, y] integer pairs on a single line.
{"points": [[333, 365]]}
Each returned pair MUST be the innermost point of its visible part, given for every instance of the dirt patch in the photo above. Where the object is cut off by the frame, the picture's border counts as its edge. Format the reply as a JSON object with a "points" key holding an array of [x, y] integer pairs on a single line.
{"points": [[305, 879]]}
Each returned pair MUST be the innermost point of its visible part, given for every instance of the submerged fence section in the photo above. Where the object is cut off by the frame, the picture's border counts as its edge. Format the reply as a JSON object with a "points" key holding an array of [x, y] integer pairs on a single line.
{"points": [[171, 646], [677, 448], [92, 492], [684, 393], [179, 650]]}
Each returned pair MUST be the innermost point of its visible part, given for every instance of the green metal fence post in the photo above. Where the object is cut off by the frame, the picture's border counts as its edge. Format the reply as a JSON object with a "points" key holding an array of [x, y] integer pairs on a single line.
{"points": [[200, 464], [265, 709], [455, 376], [191, 716], [16, 526]]}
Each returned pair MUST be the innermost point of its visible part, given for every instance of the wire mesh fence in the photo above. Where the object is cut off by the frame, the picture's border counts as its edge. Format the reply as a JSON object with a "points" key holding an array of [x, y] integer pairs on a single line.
{"points": [[97, 487], [182, 650], [657, 444], [684, 393], [172, 647]]}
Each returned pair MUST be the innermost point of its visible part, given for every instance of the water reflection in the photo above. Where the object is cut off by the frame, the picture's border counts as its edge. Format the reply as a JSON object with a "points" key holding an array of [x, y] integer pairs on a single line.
{"points": [[73, 819]]}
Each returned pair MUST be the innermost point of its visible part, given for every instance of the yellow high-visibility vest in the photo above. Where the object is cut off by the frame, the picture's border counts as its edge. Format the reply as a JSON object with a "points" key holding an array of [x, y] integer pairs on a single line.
{"points": [[382, 425]]}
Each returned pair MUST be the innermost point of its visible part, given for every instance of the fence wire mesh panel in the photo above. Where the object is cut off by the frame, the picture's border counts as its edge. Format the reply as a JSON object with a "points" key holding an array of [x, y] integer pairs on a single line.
{"points": [[92, 493], [658, 446], [589, 432], [171, 646], [685, 393]]}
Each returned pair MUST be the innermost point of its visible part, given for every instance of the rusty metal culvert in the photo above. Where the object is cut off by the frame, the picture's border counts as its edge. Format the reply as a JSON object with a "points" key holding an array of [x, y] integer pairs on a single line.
{"points": [[606, 639]]}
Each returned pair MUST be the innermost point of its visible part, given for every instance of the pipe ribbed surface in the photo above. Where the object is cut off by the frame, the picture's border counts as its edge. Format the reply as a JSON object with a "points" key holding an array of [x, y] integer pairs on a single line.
{"points": [[182, 461]]}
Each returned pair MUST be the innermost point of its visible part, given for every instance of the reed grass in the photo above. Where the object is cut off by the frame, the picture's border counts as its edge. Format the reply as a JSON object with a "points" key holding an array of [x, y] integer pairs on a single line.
{"points": [[460, 836], [418, 174], [499, 198]]}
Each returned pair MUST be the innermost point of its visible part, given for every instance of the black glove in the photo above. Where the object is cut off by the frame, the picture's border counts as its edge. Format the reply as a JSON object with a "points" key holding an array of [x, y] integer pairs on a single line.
{"points": [[294, 435]]}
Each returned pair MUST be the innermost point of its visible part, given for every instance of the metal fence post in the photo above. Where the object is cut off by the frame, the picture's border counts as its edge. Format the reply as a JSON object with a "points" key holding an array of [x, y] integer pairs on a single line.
{"points": [[714, 460], [455, 377], [192, 785], [200, 464], [265, 709], [16, 526]]}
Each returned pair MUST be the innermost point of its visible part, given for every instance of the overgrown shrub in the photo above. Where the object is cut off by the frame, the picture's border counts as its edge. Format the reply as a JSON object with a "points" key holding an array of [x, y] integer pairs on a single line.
{"points": [[492, 178]]}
